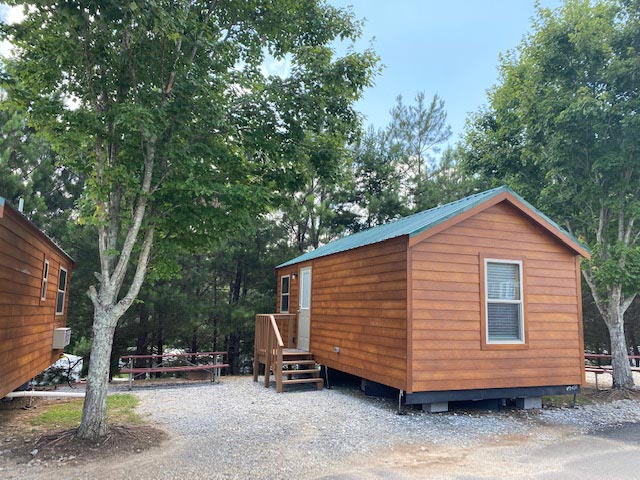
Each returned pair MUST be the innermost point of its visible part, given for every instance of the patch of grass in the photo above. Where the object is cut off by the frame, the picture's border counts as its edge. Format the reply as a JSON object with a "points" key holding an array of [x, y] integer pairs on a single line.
{"points": [[120, 409]]}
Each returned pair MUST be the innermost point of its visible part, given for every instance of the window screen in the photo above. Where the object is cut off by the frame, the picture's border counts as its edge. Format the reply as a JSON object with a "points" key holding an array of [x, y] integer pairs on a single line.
{"points": [[45, 280], [284, 294], [504, 302], [62, 289]]}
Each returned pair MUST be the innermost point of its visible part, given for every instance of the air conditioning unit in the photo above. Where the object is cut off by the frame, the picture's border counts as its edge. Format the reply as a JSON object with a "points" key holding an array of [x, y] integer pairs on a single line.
{"points": [[61, 338]]}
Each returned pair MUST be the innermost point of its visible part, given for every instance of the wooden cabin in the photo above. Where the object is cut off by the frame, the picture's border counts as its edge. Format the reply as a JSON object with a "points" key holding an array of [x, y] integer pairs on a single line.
{"points": [[476, 299], [34, 292]]}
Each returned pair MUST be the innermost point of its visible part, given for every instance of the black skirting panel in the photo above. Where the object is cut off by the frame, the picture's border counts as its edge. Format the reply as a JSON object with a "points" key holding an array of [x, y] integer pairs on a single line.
{"points": [[488, 393]]}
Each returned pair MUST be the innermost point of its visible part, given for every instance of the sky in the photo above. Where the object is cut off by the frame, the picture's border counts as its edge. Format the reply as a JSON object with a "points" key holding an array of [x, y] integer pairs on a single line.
{"points": [[448, 47]]}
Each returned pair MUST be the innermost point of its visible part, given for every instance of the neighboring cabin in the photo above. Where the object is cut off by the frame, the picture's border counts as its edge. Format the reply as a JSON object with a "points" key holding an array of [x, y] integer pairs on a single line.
{"points": [[476, 299], [34, 286]]}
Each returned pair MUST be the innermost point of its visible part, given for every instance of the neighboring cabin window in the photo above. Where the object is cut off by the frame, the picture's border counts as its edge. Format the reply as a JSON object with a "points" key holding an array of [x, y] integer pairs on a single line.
{"points": [[45, 281], [284, 294], [504, 304], [62, 290]]}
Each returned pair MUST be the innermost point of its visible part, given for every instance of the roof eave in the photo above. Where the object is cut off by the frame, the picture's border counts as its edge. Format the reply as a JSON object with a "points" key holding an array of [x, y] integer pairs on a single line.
{"points": [[4, 205], [500, 196]]}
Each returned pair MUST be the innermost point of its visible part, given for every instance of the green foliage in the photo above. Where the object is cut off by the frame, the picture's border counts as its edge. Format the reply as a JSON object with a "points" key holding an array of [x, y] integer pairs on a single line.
{"points": [[110, 83], [562, 128], [378, 180], [397, 171], [29, 170], [417, 130]]}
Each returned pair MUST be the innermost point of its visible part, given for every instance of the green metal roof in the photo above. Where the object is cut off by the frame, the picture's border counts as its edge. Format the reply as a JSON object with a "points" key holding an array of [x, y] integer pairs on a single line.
{"points": [[418, 223]]}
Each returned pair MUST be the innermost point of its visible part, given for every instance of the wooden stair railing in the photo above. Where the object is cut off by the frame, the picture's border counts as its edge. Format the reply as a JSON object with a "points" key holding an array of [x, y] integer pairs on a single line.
{"points": [[268, 347], [270, 350]]}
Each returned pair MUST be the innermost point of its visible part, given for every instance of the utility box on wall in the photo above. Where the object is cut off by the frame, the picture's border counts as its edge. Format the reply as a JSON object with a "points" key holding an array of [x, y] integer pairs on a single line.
{"points": [[61, 338]]}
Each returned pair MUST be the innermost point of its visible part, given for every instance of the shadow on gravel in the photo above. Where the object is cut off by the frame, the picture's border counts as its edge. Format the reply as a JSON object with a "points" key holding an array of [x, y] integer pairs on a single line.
{"points": [[626, 433]]}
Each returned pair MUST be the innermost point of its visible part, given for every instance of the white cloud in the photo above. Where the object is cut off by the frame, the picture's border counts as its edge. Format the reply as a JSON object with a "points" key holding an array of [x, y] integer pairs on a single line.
{"points": [[9, 15], [278, 67]]}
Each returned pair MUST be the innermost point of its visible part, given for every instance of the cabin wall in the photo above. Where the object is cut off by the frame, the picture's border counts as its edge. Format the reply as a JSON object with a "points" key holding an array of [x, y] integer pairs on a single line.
{"points": [[359, 304], [446, 344], [26, 322]]}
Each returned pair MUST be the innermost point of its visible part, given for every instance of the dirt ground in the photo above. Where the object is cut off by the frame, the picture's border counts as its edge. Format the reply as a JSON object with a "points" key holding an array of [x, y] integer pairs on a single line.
{"points": [[25, 444]]}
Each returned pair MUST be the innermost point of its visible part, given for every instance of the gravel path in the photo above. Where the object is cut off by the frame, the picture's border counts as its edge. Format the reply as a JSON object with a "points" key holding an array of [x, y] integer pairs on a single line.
{"points": [[239, 429]]}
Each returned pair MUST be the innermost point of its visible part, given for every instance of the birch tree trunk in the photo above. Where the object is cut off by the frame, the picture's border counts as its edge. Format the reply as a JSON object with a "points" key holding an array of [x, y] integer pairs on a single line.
{"points": [[107, 311], [612, 308], [94, 412], [622, 376]]}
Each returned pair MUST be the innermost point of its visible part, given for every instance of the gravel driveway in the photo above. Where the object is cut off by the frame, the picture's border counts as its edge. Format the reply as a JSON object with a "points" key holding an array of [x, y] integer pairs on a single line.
{"points": [[239, 429]]}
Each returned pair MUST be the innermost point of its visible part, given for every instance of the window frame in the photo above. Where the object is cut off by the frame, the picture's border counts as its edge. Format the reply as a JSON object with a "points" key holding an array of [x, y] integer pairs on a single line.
{"points": [[45, 280], [487, 343], [64, 292], [288, 294]]}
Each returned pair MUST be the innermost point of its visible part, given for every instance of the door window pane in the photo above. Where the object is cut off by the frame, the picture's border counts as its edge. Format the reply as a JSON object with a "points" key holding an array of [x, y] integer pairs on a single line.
{"points": [[305, 288]]}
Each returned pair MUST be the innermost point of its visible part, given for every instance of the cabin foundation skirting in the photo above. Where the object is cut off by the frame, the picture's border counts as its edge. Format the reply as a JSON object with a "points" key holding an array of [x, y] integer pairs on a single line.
{"points": [[487, 394]]}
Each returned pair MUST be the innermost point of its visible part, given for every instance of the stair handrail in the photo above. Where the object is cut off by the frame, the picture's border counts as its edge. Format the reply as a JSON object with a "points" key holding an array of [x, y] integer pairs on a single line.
{"points": [[268, 339], [276, 331], [279, 347]]}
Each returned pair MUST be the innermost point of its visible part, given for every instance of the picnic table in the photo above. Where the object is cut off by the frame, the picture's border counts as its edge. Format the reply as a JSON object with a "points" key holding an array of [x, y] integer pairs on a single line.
{"points": [[173, 363], [598, 369]]}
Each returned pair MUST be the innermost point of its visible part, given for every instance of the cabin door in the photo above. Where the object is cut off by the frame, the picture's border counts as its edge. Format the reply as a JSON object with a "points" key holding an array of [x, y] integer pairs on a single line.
{"points": [[304, 310]]}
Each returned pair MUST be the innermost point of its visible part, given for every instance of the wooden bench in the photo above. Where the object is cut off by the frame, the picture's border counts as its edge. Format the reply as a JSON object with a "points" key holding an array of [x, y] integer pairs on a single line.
{"points": [[187, 365], [600, 369]]}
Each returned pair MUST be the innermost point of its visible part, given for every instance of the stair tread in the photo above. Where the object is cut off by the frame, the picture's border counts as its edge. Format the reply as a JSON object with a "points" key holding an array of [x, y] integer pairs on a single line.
{"points": [[303, 380], [298, 362], [294, 372]]}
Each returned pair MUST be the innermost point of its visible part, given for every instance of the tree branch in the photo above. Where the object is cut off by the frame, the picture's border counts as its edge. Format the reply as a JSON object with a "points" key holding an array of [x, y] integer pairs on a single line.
{"points": [[192, 55], [602, 307], [93, 295], [621, 224], [601, 224], [628, 231], [626, 303], [132, 234], [138, 278]]}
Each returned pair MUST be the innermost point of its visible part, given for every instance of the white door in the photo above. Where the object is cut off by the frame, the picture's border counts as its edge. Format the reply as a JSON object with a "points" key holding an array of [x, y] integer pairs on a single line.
{"points": [[304, 311]]}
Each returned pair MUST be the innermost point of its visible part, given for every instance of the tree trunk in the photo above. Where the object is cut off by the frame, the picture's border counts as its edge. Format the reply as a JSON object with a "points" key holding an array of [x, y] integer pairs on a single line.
{"points": [[233, 354], [94, 411], [622, 376], [194, 344], [612, 308]]}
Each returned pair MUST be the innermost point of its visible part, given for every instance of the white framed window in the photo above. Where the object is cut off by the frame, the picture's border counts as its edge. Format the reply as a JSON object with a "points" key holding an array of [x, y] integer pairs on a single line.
{"points": [[45, 280], [504, 304], [62, 290], [285, 285]]}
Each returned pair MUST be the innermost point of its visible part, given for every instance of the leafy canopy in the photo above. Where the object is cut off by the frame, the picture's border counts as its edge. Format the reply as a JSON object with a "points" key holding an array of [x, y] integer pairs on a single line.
{"points": [[112, 82], [562, 127]]}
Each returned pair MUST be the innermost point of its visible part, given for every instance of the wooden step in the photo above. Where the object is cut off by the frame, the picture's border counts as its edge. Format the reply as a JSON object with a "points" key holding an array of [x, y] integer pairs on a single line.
{"points": [[300, 356], [296, 372], [298, 362], [303, 380]]}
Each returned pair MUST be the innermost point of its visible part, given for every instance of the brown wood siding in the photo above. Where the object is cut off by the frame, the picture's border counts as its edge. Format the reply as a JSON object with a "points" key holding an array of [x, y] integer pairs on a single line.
{"points": [[359, 304], [446, 301], [27, 322]]}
